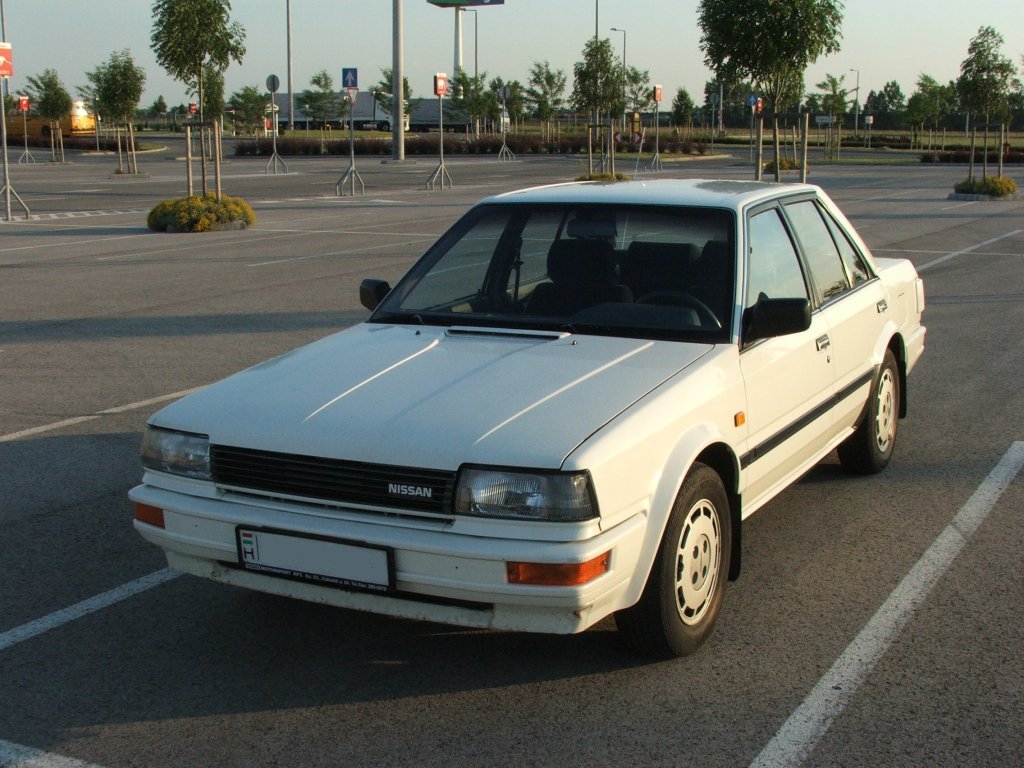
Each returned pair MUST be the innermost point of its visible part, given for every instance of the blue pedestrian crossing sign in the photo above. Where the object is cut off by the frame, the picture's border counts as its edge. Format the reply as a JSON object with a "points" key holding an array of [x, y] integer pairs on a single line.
{"points": [[349, 77]]}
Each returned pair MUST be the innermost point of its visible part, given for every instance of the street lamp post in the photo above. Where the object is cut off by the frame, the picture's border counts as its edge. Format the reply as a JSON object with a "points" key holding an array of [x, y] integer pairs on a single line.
{"points": [[624, 105], [856, 103]]}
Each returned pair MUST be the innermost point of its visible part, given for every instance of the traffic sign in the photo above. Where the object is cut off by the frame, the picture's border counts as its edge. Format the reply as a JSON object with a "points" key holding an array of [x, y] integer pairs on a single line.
{"points": [[658, 93], [273, 83], [350, 78], [441, 84], [6, 60], [23, 103]]}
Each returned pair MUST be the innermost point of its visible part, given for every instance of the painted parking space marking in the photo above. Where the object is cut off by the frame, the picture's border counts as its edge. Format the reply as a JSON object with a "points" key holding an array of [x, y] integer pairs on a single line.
{"points": [[85, 214], [73, 612], [799, 735], [108, 412], [19, 756], [971, 249]]}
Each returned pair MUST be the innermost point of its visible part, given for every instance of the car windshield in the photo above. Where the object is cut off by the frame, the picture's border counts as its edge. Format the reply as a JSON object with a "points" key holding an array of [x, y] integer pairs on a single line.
{"points": [[663, 272]]}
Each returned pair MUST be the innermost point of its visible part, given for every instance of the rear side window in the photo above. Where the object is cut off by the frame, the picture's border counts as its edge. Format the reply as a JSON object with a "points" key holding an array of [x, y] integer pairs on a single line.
{"points": [[819, 248], [855, 265]]}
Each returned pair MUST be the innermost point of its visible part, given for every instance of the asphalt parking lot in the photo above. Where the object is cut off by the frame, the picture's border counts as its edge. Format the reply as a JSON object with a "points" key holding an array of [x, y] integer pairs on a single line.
{"points": [[878, 621]]}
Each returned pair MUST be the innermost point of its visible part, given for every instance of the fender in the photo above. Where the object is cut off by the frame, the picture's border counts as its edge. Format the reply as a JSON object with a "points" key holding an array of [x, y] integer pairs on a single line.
{"points": [[687, 450]]}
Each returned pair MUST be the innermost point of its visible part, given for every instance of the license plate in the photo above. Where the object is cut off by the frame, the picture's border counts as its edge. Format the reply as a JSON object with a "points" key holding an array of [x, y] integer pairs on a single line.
{"points": [[316, 559]]}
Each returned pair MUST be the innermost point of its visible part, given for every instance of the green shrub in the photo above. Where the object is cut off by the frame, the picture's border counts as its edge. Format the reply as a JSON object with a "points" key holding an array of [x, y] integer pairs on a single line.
{"points": [[996, 186], [199, 214]]}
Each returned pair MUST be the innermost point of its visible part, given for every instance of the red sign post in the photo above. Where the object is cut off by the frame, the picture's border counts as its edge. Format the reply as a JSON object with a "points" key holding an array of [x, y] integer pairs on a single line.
{"points": [[23, 103], [440, 85]]}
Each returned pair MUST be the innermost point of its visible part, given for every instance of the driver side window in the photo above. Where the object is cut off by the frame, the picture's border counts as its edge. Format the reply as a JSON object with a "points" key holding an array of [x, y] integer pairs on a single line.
{"points": [[773, 266]]}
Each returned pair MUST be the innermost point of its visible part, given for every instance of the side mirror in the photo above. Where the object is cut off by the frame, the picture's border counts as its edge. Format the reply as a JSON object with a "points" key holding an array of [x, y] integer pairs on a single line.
{"points": [[372, 292], [776, 317]]}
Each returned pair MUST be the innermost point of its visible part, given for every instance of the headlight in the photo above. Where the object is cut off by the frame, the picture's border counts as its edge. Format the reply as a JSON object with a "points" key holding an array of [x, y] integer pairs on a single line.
{"points": [[550, 496], [179, 453]]}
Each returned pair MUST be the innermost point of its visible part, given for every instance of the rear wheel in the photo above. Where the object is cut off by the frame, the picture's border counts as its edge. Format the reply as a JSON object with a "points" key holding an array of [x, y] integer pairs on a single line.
{"points": [[686, 585], [868, 450]]}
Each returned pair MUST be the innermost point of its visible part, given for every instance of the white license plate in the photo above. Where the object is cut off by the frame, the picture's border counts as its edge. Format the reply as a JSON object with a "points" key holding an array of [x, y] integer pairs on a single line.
{"points": [[315, 559]]}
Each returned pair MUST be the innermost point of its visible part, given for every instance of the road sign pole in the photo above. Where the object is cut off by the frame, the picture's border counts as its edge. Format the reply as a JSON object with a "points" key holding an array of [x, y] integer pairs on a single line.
{"points": [[351, 175]]}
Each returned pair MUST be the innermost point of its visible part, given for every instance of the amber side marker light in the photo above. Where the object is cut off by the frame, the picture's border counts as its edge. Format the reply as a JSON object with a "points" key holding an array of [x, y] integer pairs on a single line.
{"points": [[557, 574], [150, 515]]}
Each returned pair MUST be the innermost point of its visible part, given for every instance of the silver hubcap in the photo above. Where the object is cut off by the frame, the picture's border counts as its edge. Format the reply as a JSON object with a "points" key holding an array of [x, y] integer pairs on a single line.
{"points": [[885, 411], [698, 558]]}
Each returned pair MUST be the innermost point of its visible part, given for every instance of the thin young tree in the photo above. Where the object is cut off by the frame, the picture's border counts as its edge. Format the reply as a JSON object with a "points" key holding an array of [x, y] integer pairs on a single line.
{"points": [[769, 42], [597, 87], [188, 35], [51, 101], [986, 78], [545, 92], [117, 89]]}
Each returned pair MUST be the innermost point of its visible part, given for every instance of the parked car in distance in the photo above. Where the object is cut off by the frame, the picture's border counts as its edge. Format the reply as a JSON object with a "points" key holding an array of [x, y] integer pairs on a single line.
{"points": [[565, 410]]}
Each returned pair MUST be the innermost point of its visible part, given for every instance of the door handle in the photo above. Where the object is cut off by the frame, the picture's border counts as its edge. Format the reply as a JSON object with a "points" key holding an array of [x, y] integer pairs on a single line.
{"points": [[823, 342]]}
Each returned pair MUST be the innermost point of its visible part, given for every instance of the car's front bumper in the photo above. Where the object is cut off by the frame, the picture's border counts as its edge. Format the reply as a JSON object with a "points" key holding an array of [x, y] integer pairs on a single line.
{"points": [[438, 575]]}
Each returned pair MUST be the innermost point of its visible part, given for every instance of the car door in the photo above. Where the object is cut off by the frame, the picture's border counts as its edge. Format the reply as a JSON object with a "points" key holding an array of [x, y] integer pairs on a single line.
{"points": [[851, 300], [789, 378]]}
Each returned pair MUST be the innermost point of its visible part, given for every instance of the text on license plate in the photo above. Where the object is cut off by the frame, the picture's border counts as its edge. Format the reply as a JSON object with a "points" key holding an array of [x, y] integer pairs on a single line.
{"points": [[319, 560]]}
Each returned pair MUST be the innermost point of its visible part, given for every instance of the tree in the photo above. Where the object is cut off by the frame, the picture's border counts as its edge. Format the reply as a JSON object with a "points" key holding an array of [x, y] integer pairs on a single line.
{"points": [[383, 92], [770, 42], [682, 109], [833, 100], [597, 82], [986, 79], [189, 34], [639, 91], [986, 76], [471, 98], [249, 106], [322, 104], [887, 106], [545, 91], [117, 89], [513, 101], [50, 100], [159, 107]]}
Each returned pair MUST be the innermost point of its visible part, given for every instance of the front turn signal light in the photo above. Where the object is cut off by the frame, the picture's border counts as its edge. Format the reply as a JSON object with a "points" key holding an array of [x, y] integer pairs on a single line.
{"points": [[149, 515], [557, 574]]}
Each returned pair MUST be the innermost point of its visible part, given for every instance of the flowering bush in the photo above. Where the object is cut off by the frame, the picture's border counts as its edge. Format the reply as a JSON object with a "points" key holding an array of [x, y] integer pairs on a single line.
{"points": [[996, 186], [199, 214]]}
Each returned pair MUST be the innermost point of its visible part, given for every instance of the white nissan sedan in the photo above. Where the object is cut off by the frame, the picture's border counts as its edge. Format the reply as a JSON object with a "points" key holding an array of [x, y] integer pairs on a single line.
{"points": [[565, 410]]}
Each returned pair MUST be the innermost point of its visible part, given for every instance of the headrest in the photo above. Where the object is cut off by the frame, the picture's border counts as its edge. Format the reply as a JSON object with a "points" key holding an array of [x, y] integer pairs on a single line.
{"points": [[585, 262]]}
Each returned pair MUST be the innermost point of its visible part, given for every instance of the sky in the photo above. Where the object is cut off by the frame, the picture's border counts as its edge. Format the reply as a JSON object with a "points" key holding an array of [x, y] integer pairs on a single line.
{"points": [[882, 39]]}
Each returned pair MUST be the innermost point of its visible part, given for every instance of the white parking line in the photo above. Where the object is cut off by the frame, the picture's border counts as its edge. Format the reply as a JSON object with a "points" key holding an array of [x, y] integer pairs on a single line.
{"points": [[19, 756], [799, 735], [27, 631], [108, 412], [948, 256]]}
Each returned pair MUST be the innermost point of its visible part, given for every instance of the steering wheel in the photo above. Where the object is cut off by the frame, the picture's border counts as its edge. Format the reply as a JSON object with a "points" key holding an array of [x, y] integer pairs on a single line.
{"points": [[681, 299]]}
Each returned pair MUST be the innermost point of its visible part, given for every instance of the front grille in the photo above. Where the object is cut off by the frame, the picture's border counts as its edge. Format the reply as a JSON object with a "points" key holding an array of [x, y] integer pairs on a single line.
{"points": [[353, 482]]}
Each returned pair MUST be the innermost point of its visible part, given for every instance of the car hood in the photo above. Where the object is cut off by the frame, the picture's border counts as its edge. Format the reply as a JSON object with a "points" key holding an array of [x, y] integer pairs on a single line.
{"points": [[432, 397]]}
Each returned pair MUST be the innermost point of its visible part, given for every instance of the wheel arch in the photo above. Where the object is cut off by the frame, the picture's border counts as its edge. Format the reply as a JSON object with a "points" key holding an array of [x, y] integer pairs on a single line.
{"points": [[721, 459], [707, 446]]}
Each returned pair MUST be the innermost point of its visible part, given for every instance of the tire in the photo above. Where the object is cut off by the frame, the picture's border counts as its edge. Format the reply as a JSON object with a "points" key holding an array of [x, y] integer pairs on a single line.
{"points": [[685, 588], [868, 450]]}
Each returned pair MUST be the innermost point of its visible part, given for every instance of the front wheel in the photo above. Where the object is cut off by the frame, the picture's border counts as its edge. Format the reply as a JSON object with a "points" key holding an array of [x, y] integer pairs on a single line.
{"points": [[686, 585], [868, 450]]}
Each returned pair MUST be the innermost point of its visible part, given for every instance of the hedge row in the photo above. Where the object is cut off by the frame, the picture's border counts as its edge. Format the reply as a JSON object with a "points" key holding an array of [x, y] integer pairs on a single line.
{"points": [[429, 144], [963, 156]]}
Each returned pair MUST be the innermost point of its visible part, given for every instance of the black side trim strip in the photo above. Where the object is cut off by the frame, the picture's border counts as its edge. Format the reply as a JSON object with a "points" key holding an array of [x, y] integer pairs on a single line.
{"points": [[773, 442]]}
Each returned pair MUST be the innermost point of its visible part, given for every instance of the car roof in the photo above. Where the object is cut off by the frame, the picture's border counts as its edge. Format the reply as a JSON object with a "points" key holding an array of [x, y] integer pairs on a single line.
{"points": [[717, 193]]}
